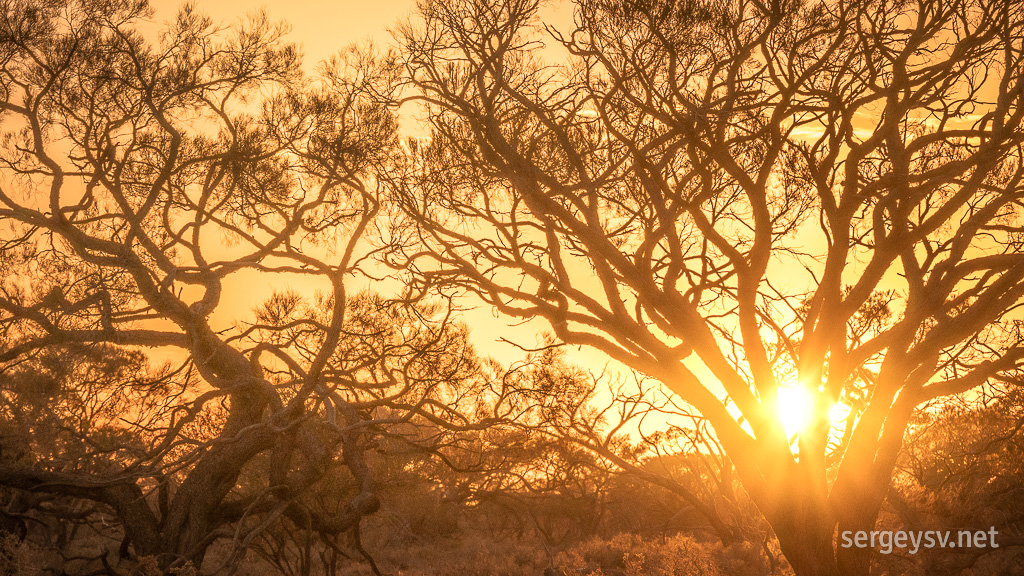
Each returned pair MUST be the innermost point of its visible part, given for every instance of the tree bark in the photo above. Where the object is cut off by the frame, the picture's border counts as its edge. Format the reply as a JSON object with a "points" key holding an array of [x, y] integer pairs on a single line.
{"points": [[800, 514], [121, 494]]}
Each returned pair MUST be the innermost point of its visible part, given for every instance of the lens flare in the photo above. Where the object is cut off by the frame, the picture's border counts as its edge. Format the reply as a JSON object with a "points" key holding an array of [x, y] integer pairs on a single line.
{"points": [[792, 409]]}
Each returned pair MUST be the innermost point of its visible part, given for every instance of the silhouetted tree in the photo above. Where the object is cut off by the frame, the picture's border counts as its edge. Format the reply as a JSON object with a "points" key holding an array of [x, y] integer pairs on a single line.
{"points": [[960, 469], [144, 185], [734, 196], [569, 413]]}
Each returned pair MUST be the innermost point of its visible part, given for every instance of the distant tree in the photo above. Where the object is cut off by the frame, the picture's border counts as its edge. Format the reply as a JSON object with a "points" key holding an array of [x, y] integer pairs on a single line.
{"points": [[571, 415], [550, 460], [139, 179], [961, 469], [735, 196], [88, 411]]}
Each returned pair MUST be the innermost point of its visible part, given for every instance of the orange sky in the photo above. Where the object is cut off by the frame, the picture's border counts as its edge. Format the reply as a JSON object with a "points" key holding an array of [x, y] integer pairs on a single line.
{"points": [[321, 28]]}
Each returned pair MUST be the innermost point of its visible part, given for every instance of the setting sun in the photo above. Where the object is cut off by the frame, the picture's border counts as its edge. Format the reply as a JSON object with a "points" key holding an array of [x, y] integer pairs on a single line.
{"points": [[792, 408]]}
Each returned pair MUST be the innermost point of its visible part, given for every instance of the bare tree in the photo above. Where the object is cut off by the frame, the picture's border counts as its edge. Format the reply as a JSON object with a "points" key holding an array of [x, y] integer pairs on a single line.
{"points": [[736, 196], [569, 409], [959, 470]]}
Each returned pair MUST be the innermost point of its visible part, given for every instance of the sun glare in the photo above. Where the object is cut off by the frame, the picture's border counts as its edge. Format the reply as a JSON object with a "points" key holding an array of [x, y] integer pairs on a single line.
{"points": [[838, 413], [792, 408]]}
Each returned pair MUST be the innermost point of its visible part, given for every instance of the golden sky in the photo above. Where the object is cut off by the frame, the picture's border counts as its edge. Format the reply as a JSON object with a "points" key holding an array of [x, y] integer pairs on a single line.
{"points": [[320, 28]]}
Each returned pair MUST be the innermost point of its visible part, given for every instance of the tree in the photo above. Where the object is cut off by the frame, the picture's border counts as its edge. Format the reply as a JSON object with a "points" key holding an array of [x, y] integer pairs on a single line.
{"points": [[138, 180], [733, 197], [578, 421], [960, 469]]}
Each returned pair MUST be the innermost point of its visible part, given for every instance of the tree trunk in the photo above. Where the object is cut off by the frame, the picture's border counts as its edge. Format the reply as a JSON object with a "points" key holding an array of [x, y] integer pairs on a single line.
{"points": [[801, 517], [855, 516], [808, 551]]}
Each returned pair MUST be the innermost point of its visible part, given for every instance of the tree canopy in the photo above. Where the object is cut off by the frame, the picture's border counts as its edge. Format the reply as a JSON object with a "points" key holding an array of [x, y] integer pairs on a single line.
{"points": [[139, 177], [733, 197]]}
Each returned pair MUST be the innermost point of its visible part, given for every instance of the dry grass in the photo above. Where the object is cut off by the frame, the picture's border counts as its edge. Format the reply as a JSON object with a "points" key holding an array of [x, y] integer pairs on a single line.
{"points": [[622, 555], [18, 558]]}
